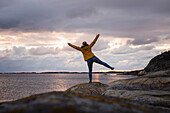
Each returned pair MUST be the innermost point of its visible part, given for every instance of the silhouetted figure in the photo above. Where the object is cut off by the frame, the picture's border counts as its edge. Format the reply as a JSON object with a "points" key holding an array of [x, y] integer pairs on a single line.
{"points": [[89, 56]]}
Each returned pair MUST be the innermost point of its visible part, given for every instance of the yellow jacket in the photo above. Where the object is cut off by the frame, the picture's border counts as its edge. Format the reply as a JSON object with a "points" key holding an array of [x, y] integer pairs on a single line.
{"points": [[86, 50]]}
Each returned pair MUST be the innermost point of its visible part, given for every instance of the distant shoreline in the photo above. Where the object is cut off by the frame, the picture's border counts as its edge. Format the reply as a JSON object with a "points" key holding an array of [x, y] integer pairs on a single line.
{"points": [[133, 72], [56, 72]]}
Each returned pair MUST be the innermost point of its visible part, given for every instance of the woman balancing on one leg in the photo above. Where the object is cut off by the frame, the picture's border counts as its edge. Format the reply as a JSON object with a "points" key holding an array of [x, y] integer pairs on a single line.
{"points": [[89, 56]]}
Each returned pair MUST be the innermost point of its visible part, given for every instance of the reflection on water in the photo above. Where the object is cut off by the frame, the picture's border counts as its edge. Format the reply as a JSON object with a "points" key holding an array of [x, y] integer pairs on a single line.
{"points": [[15, 86], [96, 77]]}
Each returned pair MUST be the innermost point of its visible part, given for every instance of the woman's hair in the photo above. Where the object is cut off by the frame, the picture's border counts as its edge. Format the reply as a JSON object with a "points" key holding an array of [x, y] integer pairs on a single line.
{"points": [[84, 44]]}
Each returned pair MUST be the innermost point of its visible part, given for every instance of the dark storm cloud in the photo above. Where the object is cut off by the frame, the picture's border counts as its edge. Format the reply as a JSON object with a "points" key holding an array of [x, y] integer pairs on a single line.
{"points": [[122, 18]]}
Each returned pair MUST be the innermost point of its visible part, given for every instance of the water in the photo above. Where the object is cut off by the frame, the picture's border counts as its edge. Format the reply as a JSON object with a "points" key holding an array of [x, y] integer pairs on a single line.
{"points": [[16, 86]]}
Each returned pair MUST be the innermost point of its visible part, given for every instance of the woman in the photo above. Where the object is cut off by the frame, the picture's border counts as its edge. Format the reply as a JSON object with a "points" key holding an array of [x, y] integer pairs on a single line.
{"points": [[89, 56]]}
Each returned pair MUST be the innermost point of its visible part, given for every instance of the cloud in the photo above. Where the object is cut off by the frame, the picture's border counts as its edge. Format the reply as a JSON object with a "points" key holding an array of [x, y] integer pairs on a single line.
{"points": [[19, 51], [130, 18], [43, 51], [14, 51], [101, 45], [81, 11], [167, 37], [134, 60], [142, 41], [23, 51], [127, 49], [40, 45], [5, 3], [49, 59], [34, 33], [5, 53], [40, 61], [31, 63]]}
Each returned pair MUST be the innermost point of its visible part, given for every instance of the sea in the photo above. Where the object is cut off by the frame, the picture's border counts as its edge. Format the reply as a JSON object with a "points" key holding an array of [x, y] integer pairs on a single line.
{"points": [[16, 86]]}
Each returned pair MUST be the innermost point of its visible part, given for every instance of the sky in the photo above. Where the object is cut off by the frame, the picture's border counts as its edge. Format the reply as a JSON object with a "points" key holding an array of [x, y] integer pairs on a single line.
{"points": [[34, 33]]}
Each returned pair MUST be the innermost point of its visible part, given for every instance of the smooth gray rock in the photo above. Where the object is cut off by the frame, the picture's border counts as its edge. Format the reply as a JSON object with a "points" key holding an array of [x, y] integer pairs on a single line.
{"points": [[95, 88], [159, 63], [153, 89], [152, 97], [62, 102]]}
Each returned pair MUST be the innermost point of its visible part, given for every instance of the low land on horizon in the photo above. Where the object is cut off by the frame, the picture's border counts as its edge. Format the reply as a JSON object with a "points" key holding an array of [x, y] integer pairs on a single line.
{"points": [[76, 72]]}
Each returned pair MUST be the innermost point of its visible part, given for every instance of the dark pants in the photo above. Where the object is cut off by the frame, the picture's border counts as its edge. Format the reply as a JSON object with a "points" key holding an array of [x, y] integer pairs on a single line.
{"points": [[90, 65]]}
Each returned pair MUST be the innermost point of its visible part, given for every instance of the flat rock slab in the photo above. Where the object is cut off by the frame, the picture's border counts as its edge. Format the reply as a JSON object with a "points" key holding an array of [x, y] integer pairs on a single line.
{"points": [[145, 82], [95, 88], [153, 89], [152, 97], [62, 102]]}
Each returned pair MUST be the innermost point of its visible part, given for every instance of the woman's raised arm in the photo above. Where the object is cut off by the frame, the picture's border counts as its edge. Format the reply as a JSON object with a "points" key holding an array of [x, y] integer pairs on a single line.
{"points": [[94, 41], [75, 47]]}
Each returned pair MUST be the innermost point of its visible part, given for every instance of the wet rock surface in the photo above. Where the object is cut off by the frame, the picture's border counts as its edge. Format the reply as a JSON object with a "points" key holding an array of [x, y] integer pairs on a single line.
{"points": [[64, 102]]}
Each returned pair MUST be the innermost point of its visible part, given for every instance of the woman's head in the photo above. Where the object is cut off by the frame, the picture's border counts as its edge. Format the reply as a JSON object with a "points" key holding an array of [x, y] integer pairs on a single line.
{"points": [[84, 44]]}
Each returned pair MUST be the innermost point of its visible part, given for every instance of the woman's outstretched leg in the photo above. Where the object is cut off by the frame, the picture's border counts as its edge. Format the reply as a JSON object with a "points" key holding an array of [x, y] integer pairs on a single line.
{"points": [[90, 66], [97, 60]]}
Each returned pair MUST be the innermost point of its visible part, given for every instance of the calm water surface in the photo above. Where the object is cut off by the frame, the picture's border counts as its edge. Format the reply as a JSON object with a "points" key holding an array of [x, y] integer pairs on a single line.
{"points": [[15, 86]]}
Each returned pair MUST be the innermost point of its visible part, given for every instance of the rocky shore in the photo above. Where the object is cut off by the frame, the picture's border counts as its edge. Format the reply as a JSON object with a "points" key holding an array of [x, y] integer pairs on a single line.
{"points": [[148, 93]]}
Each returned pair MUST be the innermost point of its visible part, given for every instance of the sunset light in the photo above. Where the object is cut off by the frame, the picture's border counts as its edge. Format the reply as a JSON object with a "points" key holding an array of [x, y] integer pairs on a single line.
{"points": [[38, 34], [84, 56]]}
